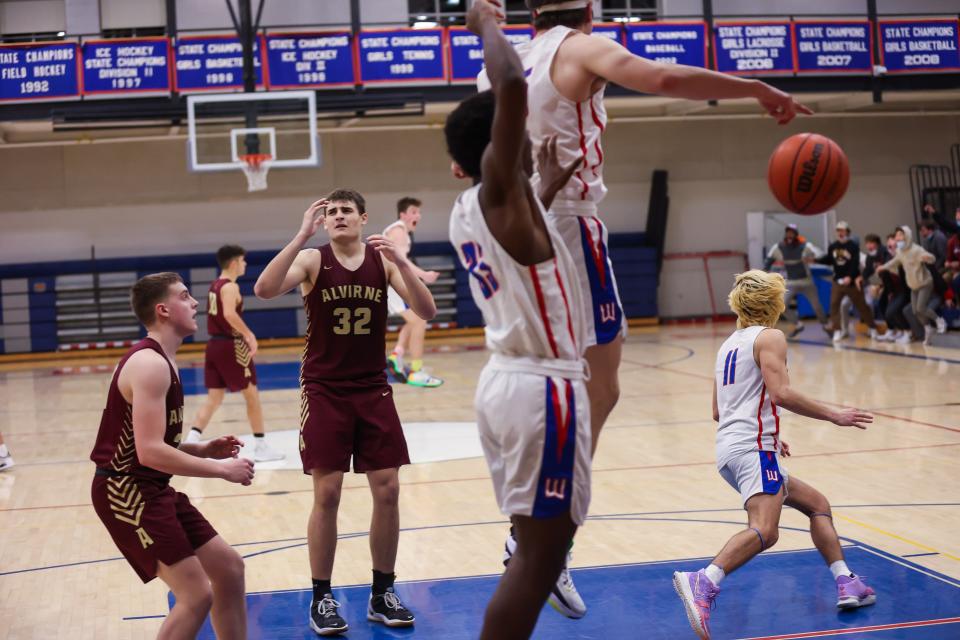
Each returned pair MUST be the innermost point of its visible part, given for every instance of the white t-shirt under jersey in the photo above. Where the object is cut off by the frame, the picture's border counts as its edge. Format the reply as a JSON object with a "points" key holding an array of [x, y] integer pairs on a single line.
{"points": [[749, 421], [529, 311], [577, 125]]}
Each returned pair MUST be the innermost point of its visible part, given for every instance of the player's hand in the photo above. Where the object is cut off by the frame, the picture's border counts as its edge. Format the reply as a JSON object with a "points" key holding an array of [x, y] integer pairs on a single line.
{"points": [[385, 247], [222, 447], [852, 418], [859, 282], [313, 218], [429, 277], [780, 105], [239, 470], [784, 449], [252, 345], [481, 11], [553, 176]]}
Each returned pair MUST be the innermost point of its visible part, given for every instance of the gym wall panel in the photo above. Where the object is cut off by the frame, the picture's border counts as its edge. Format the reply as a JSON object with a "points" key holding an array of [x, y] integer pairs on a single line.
{"points": [[125, 14], [32, 16]]}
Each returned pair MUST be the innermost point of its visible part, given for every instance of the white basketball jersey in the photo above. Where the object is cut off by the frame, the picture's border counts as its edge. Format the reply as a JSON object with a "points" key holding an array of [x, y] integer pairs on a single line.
{"points": [[399, 223], [749, 421], [529, 311], [577, 125]]}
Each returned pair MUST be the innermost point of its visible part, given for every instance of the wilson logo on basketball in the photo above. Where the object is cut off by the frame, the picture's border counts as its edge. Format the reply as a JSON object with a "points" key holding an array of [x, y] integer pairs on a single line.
{"points": [[805, 182]]}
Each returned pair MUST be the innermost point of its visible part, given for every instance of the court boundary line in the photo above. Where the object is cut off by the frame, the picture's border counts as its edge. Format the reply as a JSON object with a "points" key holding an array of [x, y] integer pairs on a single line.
{"points": [[848, 630]]}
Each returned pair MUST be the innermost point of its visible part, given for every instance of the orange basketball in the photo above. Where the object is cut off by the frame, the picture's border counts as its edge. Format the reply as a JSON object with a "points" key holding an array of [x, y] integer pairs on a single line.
{"points": [[808, 173]]}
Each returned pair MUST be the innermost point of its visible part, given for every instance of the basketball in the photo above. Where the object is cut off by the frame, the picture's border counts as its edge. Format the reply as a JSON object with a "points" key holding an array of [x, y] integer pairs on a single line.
{"points": [[808, 173]]}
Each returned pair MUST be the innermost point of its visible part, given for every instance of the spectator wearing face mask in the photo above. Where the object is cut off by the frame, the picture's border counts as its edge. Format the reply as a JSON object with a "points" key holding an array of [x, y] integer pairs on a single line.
{"points": [[894, 299], [914, 260], [933, 241], [796, 254], [844, 256], [869, 282]]}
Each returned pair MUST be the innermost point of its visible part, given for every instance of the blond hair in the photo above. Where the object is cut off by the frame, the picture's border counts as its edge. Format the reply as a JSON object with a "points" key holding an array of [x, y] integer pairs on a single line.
{"points": [[757, 298]]}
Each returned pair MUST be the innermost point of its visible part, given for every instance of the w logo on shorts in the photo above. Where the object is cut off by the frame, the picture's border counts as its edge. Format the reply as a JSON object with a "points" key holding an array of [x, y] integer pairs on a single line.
{"points": [[770, 474], [555, 488]]}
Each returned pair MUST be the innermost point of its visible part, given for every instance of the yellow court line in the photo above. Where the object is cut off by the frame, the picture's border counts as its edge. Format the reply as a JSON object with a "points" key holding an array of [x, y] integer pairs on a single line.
{"points": [[918, 545]]}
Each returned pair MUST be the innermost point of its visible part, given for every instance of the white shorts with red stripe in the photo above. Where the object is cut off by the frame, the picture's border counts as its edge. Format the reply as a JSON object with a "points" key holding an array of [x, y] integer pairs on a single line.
{"points": [[586, 238], [534, 421]]}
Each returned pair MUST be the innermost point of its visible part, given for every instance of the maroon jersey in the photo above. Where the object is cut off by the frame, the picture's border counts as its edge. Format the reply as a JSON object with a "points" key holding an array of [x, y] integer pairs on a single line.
{"points": [[346, 320], [115, 449], [217, 325]]}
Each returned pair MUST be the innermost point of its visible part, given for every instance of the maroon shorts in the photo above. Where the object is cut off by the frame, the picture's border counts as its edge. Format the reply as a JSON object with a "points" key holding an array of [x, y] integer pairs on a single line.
{"points": [[344, 418], [228, 364], [149, 522]]}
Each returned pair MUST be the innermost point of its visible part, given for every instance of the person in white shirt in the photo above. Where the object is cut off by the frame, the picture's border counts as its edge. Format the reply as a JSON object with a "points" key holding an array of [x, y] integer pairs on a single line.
{"points": [[751, 385]]}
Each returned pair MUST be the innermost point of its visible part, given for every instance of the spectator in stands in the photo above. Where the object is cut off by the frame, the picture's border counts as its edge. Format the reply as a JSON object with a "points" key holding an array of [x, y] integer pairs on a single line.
{"points": [[934, 241], [796, 254], [869, 282], [933, 305], [947, 225], [844, 256], [894, 299], [914, 259], [6, 460], [952, 262]]}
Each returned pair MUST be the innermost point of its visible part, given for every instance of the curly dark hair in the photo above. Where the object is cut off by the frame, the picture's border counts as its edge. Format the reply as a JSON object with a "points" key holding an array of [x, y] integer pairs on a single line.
{"points": [[468, 131], [349, 195]]}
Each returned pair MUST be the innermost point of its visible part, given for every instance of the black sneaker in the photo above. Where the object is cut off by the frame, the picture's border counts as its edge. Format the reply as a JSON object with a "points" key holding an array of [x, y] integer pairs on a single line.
{"points": [[324, 619], [388, 609]]}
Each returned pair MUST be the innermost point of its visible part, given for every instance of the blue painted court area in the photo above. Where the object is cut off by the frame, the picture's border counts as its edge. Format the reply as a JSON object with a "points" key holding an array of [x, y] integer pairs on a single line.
{"points": [[776, 595]]}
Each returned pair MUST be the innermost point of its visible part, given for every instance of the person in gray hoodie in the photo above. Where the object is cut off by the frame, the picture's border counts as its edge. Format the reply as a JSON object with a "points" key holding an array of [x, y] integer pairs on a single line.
{"points": [[914, 259]]}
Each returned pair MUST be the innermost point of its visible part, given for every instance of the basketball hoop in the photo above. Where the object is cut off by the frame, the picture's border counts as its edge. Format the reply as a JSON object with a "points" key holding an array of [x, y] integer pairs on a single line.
{"points": [[255, 167]]}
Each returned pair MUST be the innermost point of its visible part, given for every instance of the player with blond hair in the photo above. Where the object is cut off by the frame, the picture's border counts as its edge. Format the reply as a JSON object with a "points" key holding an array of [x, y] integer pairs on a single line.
{"points": [[751, 384]]}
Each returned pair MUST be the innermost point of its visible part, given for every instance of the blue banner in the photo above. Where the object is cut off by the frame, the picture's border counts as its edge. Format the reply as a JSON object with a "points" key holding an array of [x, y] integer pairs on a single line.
{"points": [[466, 50], [908, 46], [212, 63], [675, 42], [44, 71], [752, 48], [297, 60], [609, 31], [831, 47], [126, 66], [402, 55]]}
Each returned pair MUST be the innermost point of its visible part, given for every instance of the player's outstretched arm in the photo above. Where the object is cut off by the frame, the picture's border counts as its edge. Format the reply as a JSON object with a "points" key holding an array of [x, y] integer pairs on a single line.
{"points": [[230, 293], [611, 61], [290, 267], [403, 278], [148, 376], [770, 350]]}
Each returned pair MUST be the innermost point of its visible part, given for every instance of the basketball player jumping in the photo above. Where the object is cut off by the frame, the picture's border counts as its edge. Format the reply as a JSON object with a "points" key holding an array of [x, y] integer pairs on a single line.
{"points": [[410, 340], [750, 385], [531, 399], [568, 71], [228, 359], [347, 408], [155, 527]]}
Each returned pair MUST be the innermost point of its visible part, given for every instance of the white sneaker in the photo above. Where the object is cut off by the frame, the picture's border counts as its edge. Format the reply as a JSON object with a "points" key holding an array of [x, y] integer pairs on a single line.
{"points": [[889, 336], [928, 332], [193, 436], [838, 336], [905, 338], [423, 379], [941, 325], [263, 453], [874, 335], [6, 462], [564, 597]]}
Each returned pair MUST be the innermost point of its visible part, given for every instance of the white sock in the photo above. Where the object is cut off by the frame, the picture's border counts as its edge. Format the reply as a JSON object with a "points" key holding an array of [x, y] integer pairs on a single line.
{"points": [[4, 452], [715, 574], [840, 568]]}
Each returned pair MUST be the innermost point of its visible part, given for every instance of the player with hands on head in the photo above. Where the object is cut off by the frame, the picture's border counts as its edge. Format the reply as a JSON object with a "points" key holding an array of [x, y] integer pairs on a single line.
{"points": [[347, 409]]}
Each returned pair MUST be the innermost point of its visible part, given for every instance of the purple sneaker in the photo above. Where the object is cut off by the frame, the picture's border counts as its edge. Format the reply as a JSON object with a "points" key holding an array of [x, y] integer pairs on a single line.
{"points": [[854, 592], [698, 594]]}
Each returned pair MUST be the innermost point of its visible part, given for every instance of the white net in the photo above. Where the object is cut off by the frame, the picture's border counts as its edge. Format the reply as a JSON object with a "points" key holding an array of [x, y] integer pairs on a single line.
{"points": [[256, 167]]}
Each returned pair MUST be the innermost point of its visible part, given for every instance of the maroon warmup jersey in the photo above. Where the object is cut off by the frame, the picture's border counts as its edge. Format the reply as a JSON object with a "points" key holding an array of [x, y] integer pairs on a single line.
{"points": [[228, 364], [147, 520], [217, 325], [115, 449], [347, 410], [346, 319]]}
